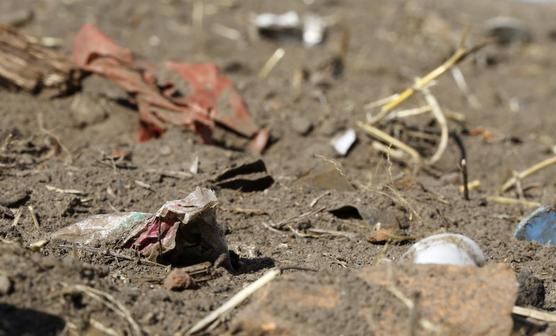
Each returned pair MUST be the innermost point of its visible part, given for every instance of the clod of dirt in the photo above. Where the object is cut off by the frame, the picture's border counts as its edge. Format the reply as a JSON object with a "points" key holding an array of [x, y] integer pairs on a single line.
{"points": [[86, 110], [384, 300], [5, 285], [302, 125], [507, 30], [531, 290], [178, 279], [15, 199]]}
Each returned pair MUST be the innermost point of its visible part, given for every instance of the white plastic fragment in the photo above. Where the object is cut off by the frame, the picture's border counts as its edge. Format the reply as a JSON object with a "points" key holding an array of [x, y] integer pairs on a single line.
{"points": [[344, 141], [98, 228], [313, 30], [287, 20], [446, 248], [310, 28]]}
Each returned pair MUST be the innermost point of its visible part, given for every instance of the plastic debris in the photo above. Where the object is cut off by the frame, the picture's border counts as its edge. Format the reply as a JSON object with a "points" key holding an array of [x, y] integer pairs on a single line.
{"points": [[507, 30], [310, 29], [214, 100], [539, 226], [250, 176], [446, 248], [343, 142], [181, 232]]}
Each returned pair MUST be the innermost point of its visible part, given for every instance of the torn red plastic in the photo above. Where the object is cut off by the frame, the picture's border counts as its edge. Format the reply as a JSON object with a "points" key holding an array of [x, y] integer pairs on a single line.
{"points": [[214, 98]]}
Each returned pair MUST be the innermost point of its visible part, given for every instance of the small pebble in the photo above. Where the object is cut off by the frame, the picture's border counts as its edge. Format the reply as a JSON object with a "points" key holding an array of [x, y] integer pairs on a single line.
{"points": [[177, 280]]}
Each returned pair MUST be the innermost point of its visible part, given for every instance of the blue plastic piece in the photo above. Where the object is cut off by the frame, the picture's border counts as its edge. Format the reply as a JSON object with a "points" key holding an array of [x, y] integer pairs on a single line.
{"points": [[540, 226]]}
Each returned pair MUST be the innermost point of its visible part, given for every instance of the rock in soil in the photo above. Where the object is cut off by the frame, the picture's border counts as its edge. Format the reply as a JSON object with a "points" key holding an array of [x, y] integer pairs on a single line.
{"points": [[178, 279]]}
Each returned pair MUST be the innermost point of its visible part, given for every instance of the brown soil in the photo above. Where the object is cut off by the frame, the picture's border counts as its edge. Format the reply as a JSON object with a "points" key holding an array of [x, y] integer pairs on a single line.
{"points": [[391, 43]]}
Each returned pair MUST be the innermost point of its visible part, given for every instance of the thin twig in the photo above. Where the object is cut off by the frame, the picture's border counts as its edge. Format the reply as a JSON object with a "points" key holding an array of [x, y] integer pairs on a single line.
{"points": [[534, 313], [234, 301], [475, 184], [40, 121], [412, 112], [281, 224], [144, 185], [318, 198], [518, 187], [271, 63], [459, 55], [441, 119], [529, 171], [348, 235], [102, 328], [375, 132], [512, 201], [65, 191], [389, 151], [18, 214], [472, 100], [380, 102], [34, 217], [463, 163]]}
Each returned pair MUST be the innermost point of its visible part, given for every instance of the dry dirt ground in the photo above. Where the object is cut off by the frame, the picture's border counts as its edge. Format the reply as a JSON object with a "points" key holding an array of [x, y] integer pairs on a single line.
{"points": [[390, 44]]}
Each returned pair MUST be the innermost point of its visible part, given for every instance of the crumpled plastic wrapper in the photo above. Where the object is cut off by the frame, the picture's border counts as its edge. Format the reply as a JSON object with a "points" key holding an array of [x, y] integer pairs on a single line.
{"points": [[181, 232]]}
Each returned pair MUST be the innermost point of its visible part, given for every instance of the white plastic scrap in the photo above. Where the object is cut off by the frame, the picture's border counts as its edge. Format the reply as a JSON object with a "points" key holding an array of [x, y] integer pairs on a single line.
{"points": [[446, 248], [313, 30], [287, 20], [343, 142], [98, 228], [312, 26]]}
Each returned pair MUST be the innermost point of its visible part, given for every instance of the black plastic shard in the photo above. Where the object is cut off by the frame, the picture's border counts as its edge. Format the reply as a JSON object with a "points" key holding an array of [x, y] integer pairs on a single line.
{"points": [[251, 176], [346, 212]]}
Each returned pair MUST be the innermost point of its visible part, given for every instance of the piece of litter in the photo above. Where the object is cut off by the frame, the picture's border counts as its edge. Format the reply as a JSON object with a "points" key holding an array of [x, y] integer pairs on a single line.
{"points": [[181, 232], [343, 142], [246, 177], [539, 226], [213, 100], [310, 28], [313, 30], [446, 248]]}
